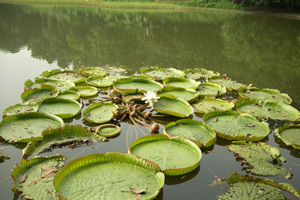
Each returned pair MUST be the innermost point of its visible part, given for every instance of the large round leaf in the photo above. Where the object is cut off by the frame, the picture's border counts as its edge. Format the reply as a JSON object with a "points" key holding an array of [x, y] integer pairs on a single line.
{"points": [[93, 71], [100, 81], [268, 109], [228, 83], [108, 176], [175, 155], [171, 105], [181, 83], [59, 85], [100, 112], [21, 108], [22, 127], [65, 75], [182, 93], [231, 125], [64, 108], [210, 104], [37, 95], [136, 83], [86, 91], [289, 135], [200, 73], [211, 89], [69, 94], [196, 131], [159, 73]]}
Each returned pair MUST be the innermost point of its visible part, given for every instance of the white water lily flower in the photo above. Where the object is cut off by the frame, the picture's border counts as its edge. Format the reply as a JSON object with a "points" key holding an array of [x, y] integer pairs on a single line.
{"points": [[150, 97]]}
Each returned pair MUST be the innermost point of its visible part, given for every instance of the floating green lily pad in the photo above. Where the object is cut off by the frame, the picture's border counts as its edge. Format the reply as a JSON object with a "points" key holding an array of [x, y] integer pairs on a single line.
{"points": [[100, 112], [182, 93], [210, 104], [266, 94], [171, 105], [175, 155], [231, 125], [200, 73], [59, 85], [289, 135], [108, 176], [267, 109], [116, 69], [248, 187], [60, 137], [65, 75], [64, 108], [228, 83], [93, 71], [211, 89], [22, 127], [69, 94], [86, 91], [21, 108], [134, 84], [108, 130], [37, 95], [181, 83], [159, 72], [34, 178], [100, 81], [196, 131], [259, 158]]}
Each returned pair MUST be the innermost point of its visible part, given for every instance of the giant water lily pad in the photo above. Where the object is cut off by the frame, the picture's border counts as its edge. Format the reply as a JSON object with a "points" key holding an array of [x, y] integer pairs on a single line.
{"points": [[200, 73], [181, 93], [35, 177], [175, 155], [100, 112], [210, 104], [181, 83], [60, 137], [159, 72], [64, 108], [108, 130], [211, 89], [289, 135], [136, 83], [59, 85], [248, 187], [37, 95], [229, 83], [108, 176], [259, 158], [65, 75], [196, 131], [93, 71], [86, 91], [69, 94], [171, 105], [266, 94], [231, 125], [21, 108], [100, 81], [267, 109]]}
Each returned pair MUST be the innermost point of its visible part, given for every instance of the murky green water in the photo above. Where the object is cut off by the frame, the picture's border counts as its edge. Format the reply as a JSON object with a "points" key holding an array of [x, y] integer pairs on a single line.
{"points": [[262, 50]]}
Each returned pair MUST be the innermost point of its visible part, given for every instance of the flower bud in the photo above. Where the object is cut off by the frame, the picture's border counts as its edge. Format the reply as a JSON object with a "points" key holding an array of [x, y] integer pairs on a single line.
{"points": [[155, 127]]}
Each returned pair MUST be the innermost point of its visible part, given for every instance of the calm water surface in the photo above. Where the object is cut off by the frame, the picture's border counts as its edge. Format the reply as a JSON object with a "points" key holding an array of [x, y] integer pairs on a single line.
{"points": [[262, 50]]}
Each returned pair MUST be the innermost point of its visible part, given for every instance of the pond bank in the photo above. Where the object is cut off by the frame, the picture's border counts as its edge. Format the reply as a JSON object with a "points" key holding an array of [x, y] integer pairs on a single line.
{"points": [[156, 6]]}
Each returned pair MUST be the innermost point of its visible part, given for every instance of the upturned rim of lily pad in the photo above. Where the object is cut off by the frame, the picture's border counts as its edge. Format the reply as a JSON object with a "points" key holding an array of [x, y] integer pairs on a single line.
{"points": [[193, 84], [242, 85], [48, 74], [213, 99], [47, 81], [84, 87], [88, 71], [92, 78], [221, 89], [111, 134], [30, 92], [33, 107], [206, 73], [191, 91], [158, 137], [144, 71], [76, 94], [286, 126], [198, 123], [109, 157], [96, 105]]}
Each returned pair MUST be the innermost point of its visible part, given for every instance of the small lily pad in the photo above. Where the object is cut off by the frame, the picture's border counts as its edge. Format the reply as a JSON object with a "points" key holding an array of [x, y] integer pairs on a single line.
{"points": [[64, 108], [211, 89], [210, 104], [65, 75], [182, 93], [159, 72], [196, 131], [181, 83], [100, 81], [229, 83], [59, 85], [171, 105], [86, 91], [135, 84], [231, 125], [21, 108], [108, 130], [108, 176], [200, 73], [289, 135], [69, 94], [22, 127], [267, 109], [100, 112], [93, 71], [35, 175], [37, 95]]}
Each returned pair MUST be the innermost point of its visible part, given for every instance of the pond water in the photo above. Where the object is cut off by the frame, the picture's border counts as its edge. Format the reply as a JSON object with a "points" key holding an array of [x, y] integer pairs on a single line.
{"points": [[258, 49]]}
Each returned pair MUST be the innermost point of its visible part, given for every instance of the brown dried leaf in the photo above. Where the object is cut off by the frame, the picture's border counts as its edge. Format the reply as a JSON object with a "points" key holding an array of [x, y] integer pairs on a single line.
{"points": [[50, 173], [216, 120], [23, 178], [250, 125], [88, 115], [34, 181], [137, 197], [285, 114], [14, 138], [137, 191]]}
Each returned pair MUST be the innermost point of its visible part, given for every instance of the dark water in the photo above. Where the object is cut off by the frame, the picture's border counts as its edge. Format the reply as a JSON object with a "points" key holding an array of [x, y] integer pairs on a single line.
{"points": [[262, 50]]}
